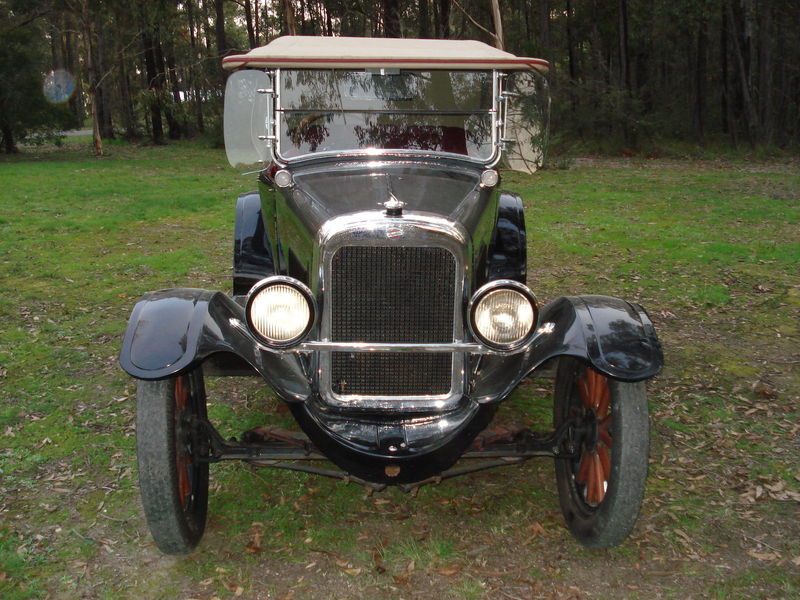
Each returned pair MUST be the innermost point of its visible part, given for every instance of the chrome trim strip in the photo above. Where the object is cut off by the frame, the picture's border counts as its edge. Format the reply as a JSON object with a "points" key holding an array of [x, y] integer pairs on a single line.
{"points": [[468, 347]]}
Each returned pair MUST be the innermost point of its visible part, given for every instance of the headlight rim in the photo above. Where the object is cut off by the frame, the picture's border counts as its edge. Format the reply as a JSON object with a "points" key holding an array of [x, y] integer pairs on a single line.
{"points": [[280, 280], [485, 290]]}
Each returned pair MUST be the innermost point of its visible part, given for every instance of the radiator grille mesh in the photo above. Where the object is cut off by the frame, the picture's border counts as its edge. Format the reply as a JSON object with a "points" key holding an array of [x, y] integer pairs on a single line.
{"points": [[394, 295]]}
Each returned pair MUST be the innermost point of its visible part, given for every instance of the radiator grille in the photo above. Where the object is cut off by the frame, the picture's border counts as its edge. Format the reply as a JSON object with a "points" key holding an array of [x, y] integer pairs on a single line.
{"points": [[394, 295]]}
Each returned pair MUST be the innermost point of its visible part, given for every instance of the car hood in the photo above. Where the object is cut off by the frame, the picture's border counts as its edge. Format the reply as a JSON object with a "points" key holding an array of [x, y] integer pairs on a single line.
{"points": [[448, 189]]}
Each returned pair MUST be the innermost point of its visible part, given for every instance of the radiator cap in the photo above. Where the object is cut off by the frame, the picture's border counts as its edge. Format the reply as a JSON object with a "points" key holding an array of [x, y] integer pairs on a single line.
{"points": [[393, 206]]}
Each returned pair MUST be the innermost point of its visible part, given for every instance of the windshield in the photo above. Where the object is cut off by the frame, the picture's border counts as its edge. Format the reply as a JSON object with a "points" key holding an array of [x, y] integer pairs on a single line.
{"points": [[335, 110]]}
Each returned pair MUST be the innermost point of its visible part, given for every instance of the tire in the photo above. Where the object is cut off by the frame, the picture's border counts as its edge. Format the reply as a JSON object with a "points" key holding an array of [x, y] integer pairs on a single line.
{"points": [[172, 481], [601, 491]]}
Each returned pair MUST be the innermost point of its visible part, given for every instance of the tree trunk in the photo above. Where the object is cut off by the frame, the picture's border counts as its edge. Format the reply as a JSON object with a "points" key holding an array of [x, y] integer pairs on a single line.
{"points": [[219, 27], [248, 17], [173, 127], [86, 22], [103, 90], [570, 44], [9, 144], [544, 23], [724, 104], [175, 84], [624, 66], [424, 19], [497, 19], [443, 21], [153, 81], [189, 4], [126, 100], [699, 113], [391, 18], [56, 50], [328, 22], [740, 47], [207, 29], [194, 79], [765, 71], [288, 18]]}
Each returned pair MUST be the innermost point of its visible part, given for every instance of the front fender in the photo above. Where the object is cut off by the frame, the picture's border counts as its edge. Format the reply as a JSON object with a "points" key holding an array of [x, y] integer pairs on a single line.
{"points": [[172, 331], [614, 335]]}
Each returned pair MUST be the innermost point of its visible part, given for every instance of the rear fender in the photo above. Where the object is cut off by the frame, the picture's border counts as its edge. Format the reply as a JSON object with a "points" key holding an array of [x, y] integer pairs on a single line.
{"points": [[172, 331], [615, 336]]}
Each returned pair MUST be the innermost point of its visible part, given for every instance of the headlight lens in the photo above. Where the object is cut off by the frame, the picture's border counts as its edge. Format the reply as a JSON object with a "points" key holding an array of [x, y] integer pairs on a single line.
{"points": [[280, 312], [504, 317]]}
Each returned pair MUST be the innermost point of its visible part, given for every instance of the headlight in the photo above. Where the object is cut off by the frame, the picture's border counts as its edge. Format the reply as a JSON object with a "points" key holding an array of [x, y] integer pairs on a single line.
{"points": [[280, 311], [503, 314]]}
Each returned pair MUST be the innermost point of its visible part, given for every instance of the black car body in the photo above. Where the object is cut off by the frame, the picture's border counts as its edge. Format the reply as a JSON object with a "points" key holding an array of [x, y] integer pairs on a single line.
{"points": [[379, 287]]}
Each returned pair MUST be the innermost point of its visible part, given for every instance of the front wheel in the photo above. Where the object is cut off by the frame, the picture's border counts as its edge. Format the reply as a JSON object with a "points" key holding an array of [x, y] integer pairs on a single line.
{"points": [[601, 490], [173, 478]]}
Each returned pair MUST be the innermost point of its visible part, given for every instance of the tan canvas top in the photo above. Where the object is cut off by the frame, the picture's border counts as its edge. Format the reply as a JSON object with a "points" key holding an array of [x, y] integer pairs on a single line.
{"points": [[294, 51]]}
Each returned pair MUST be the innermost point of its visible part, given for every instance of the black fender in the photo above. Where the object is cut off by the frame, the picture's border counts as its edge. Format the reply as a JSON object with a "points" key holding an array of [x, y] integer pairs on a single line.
{"points": [[252, 254], [173, 331], [508, 251], [615, 336]]}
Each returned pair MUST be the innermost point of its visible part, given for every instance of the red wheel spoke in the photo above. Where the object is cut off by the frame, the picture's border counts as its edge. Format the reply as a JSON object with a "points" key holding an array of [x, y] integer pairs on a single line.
{"points": [[585, 391], [604, 396], [605, 438], [184, 484], [181, 395], [183, 462], [594, 487], [584, 468], [605, 461], [598, 388]]}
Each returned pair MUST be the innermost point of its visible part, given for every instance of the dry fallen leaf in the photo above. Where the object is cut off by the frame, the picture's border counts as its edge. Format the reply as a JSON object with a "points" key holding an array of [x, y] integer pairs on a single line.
{"points": [[254, 547], [535, 529], [354, 571], [449, 571], [764, 556]]}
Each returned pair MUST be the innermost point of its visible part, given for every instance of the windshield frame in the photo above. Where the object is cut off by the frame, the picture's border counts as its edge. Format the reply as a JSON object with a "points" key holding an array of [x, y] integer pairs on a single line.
{"points": [[496, 128]]}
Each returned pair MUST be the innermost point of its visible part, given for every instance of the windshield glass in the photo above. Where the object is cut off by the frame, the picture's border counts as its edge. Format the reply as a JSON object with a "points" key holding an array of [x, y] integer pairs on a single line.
{"points": [[334, 110]]}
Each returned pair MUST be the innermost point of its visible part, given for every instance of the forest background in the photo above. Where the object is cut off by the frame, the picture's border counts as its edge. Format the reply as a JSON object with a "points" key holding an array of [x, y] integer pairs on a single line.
{"points": [[629, 76]]}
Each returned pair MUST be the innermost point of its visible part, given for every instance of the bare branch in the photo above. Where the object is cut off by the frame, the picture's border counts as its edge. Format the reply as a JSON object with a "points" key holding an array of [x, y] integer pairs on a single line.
{"points": [[473, 21]]}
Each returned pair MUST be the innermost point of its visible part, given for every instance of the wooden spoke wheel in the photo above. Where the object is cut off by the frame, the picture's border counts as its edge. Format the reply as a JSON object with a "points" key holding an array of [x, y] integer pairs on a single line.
{"points": [[173, 480], [601, 490]]}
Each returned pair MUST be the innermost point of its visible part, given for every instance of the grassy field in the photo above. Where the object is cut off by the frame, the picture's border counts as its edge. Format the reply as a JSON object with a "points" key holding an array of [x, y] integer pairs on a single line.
{"points": [[711, 249]]}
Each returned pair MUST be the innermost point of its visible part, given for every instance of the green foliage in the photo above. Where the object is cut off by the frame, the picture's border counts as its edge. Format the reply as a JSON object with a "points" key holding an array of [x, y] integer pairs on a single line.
{"points": [[24, 111]]}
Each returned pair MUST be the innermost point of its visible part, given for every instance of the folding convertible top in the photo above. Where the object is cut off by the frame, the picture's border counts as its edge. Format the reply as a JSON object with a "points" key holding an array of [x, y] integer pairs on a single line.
{"points": [[304, 52]]}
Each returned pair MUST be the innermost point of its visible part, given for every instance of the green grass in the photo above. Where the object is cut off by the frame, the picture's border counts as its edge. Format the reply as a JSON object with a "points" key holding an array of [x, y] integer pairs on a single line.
{"points": [[710, 249]]}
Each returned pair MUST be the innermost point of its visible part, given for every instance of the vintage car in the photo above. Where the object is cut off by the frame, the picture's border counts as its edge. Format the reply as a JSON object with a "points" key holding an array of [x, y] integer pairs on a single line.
{"points": [[379, 289]]}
